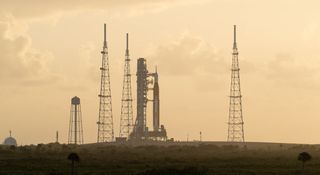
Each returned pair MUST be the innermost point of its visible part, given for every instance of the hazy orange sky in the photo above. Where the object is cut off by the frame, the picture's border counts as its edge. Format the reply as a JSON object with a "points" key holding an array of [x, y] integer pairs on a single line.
{"points": [[50, 52]]}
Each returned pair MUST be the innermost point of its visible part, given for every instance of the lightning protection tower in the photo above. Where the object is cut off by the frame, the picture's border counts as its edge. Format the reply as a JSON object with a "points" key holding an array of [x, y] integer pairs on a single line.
{"points": [[75, 124], [126, 120], [105, 123], [235, 124]]}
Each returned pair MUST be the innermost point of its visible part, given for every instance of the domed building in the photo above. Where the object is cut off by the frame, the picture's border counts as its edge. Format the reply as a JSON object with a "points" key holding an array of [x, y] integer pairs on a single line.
{"points": [[10, 141]]}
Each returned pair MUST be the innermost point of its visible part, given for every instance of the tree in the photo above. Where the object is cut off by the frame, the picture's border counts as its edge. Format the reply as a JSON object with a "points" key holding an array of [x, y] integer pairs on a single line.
{"points": [[304, 157], [73, 157]]}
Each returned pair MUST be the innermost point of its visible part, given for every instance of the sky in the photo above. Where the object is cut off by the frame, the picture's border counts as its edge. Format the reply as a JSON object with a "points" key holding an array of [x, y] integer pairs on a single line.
{"points": [[50, 52]]}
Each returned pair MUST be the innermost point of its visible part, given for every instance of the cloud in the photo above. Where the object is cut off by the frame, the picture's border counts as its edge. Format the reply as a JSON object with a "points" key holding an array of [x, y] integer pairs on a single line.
{"points": [[192, 59], [38, 8], [187, 56], [20, 62], [286, 71], [87, 52]]}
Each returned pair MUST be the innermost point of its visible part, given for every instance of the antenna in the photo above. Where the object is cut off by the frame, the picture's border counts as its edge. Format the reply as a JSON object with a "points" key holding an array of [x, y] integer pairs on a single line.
{"points": [[127, 44], [105, 35], [234, 37], [127, 41]]}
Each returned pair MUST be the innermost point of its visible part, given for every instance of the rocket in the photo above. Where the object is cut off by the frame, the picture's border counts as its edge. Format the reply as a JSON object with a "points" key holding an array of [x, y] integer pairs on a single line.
{"points": [[156, 103]]}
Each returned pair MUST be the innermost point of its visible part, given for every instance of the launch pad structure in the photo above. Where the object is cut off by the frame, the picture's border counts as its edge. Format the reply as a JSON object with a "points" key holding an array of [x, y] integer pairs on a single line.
{"points": [[147, 81]]}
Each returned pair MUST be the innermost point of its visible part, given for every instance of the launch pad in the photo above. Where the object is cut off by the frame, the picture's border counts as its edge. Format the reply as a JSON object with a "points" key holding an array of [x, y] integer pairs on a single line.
{"points": [[147, 81], [129, 130]]}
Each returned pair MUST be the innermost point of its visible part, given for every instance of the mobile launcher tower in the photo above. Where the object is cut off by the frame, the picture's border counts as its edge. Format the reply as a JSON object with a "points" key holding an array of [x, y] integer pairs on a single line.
{"points": [[144, 81]]}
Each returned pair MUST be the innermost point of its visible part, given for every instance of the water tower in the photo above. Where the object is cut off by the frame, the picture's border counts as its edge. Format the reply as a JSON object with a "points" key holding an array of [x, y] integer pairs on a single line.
{"points": [[75, 124]]}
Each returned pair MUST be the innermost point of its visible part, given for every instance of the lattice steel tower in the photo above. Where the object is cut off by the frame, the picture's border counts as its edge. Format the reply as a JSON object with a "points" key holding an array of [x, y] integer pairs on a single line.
{"points": [[235, 124], [105, 123], [126, 120], [75, 124]]}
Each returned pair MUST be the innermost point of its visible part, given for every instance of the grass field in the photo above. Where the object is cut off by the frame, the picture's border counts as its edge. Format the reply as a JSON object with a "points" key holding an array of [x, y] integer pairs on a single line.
{"points": [[216, 158]]}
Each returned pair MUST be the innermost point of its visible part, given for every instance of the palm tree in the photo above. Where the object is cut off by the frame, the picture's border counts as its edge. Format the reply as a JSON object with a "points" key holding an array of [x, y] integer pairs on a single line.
{"points": [[304, 157], [73, 157]]}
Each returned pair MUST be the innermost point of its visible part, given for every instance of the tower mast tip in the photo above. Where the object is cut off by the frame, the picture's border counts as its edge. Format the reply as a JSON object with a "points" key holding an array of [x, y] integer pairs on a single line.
{"points": [[127, 41], [234, 36], [105, 34]]}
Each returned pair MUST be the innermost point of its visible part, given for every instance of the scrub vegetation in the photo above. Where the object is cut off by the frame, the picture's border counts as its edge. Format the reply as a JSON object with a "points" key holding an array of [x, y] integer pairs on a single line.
{"points": [[206, 158]]}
